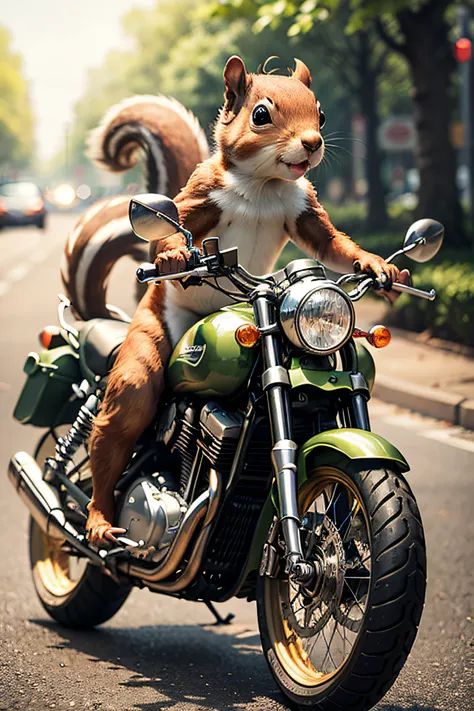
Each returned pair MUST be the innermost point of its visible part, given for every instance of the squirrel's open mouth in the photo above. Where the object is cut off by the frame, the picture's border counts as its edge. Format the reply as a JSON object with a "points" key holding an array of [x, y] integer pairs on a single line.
{"points": [[298, 169]]}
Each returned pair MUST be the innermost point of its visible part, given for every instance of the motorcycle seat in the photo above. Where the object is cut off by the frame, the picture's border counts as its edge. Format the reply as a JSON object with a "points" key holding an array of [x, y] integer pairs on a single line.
{"points": [[99, 341]]}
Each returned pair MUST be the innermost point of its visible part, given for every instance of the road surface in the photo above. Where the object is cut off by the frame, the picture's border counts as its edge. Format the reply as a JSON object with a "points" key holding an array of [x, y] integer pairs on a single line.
{"points": [[160, 653]]}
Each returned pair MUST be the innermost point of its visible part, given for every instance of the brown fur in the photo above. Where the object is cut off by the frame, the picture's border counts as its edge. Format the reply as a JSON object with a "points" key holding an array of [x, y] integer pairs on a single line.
{"points": [[174, 143], [293, 109], [179, 145], [133, 391], [97, 276], [136, 382]]}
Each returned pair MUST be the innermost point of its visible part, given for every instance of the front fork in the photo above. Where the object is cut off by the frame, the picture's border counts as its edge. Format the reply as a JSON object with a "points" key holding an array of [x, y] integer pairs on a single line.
{"points": [[276, 384]]}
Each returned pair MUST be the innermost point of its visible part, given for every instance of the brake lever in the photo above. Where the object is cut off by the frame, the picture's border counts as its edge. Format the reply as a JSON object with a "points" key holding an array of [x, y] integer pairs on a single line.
{"points": [[361, 289], [147, 272]]}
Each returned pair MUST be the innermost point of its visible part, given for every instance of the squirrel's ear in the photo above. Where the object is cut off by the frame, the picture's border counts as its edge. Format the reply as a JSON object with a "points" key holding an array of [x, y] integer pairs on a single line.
{"points": [[236, 81], [302, 73]]}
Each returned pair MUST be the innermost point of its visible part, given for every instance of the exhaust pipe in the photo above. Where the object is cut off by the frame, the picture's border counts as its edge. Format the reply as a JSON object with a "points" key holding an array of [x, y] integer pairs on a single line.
{"points": [[44, 505], [195, 560]]}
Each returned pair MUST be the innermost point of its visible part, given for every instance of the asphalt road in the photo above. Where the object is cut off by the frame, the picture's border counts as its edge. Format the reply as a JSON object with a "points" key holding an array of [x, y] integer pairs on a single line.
{"points": [[160, 653]]}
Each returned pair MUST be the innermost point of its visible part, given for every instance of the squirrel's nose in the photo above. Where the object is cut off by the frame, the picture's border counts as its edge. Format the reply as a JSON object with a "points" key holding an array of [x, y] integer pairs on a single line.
{"points": [[311, 140]]}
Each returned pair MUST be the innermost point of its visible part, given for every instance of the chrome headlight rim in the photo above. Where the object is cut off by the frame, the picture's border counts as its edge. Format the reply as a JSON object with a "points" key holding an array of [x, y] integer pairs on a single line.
{"points": [[304, 343]]}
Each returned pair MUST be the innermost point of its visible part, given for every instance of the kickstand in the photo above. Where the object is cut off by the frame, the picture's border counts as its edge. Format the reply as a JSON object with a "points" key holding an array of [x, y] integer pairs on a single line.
{"points": [[219, 620]]}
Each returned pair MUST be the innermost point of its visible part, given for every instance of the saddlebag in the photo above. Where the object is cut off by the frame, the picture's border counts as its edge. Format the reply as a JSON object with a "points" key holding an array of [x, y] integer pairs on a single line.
{"points": [[47, 398]]}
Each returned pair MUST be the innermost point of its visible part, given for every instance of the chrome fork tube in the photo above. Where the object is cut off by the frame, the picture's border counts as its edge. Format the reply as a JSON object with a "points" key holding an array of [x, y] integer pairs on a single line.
{"points": [[276, 382]]}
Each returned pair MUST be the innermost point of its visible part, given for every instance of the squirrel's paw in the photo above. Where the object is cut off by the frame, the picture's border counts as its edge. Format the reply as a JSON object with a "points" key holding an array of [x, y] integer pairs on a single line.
{"points": [[172, 261], [99, 530]]}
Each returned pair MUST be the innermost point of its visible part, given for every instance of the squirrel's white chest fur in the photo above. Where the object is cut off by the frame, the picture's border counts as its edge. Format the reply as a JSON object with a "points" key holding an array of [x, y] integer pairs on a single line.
{"points": [[253, 216]]}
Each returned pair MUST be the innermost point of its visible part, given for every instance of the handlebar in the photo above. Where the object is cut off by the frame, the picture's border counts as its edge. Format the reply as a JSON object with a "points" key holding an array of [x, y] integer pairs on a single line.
{"points": [[403, 288], [206, 264], [369, 282], [147, 272]]}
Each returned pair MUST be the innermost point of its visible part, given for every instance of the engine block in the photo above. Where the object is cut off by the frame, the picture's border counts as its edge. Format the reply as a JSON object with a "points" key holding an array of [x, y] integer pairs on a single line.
{"points": [[219, 436], [151, 514]]}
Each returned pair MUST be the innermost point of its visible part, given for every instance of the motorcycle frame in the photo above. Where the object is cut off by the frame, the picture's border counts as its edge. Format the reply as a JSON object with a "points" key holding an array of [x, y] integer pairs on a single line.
{"points": [[291, 465], [276, 382]]}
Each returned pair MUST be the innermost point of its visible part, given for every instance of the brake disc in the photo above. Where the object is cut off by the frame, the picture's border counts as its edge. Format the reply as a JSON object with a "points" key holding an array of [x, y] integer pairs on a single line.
{"points": [[309, 611]]}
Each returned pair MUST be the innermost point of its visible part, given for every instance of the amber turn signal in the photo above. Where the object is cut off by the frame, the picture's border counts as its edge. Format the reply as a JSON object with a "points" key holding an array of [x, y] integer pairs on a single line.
{"points": [[379, 336], [247, 335], [46, 336]]}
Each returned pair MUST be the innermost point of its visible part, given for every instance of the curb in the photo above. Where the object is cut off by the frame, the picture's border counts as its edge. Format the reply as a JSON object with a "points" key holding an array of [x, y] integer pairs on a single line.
{"points": [[450, 407], [466, 418]]}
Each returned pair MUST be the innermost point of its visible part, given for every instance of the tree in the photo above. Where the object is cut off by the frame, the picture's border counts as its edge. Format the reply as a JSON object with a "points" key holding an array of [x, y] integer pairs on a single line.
{"points": [[424, 42], [16, 121], [187, 62], [359, 62], [419, 31]]}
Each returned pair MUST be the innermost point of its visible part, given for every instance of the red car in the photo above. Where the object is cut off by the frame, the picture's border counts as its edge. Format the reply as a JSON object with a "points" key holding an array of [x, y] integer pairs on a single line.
{"points": [[21, 203]]}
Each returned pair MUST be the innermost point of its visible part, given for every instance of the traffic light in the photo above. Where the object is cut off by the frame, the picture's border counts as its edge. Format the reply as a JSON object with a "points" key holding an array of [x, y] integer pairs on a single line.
{"points": [[462, 50]]}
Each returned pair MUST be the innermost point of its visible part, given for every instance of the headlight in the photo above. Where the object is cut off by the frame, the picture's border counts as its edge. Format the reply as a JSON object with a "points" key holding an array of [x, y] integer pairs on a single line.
{"points": [[317, 316]]}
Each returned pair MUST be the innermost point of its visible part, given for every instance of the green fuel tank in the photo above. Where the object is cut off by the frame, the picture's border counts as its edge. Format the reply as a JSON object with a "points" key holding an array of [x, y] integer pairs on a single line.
{"points": [[208, 361]]}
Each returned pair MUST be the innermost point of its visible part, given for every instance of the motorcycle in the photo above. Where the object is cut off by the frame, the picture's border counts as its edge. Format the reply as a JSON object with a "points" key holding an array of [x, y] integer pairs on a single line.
{"points": [[260, 478]]}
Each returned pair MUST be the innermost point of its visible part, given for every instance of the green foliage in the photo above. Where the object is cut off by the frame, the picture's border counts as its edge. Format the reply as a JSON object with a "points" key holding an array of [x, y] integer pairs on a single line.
{"points": [[451, 315], [187, 62], [451, 273], [16, 121], [305, 14]]}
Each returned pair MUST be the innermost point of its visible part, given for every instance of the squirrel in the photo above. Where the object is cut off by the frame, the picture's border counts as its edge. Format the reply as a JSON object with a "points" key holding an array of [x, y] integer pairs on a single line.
{"points": [[251, 192]]}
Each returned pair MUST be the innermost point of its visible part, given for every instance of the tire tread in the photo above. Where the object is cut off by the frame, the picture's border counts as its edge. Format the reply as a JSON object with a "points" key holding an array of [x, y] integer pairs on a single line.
{"points": [[397, 595]]}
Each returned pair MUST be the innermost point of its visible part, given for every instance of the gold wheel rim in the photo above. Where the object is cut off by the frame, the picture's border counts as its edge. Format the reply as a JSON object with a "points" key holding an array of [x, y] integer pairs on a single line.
{"points": [[58, 572], [53, 565], [287, 643]]}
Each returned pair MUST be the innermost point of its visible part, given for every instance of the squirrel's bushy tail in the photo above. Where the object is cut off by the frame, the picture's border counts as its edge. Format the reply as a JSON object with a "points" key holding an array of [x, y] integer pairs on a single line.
{"points": [[172, 142], [170, 136]]}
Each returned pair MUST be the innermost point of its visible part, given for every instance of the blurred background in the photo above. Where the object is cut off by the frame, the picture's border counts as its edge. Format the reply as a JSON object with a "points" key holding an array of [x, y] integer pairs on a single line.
{"points": [[394, 78]]}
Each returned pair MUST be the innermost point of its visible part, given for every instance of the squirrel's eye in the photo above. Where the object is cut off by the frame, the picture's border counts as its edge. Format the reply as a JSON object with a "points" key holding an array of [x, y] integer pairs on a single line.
{"points": [[322, 118], [261, 115]]}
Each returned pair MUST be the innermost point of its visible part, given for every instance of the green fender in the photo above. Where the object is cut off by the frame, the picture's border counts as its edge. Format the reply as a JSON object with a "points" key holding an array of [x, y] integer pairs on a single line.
{"points": [[335, 448]]}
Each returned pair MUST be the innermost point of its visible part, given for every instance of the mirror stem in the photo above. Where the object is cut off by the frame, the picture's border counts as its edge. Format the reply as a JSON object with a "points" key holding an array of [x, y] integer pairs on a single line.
{"points": [[404, 250]]}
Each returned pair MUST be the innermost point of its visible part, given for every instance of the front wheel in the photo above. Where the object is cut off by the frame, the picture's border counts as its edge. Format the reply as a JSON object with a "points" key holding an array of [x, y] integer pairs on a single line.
{"points": [[343, 643]]}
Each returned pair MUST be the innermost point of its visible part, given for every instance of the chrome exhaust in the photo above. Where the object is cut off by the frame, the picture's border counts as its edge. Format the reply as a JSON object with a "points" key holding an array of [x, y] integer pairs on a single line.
{"points": [[44, 505], [205, 507]]}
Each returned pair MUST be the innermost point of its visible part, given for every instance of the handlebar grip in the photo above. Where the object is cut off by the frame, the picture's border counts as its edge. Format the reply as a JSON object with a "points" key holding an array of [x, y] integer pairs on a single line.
{"points": [[429, 295], [147, 271]]}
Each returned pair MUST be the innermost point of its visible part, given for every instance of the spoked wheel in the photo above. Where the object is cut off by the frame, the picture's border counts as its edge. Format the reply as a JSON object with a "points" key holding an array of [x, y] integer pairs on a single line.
{"points": [[58, 571], [73, 591], [342, 642]]}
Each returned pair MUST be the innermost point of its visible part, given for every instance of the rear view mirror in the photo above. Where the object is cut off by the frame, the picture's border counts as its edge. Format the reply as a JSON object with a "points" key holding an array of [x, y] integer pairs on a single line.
{"points": [[423, 240], [154, 216]]}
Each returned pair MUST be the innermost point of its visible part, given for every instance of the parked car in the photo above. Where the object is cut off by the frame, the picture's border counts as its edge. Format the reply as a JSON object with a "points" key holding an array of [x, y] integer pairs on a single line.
{"points": [[21, 203]]}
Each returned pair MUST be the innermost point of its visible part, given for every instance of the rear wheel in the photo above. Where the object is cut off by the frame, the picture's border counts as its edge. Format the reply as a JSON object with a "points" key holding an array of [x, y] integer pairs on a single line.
{"points": [[343, 644], [72, 591]]}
